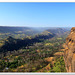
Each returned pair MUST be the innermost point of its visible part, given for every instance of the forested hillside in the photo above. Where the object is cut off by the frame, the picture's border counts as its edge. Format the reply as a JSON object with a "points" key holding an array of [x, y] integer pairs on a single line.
{"points": [[38, 53]]}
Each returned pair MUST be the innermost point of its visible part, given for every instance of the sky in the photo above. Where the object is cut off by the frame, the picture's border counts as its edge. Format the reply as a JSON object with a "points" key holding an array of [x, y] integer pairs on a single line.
{"points": [[37, 14]]}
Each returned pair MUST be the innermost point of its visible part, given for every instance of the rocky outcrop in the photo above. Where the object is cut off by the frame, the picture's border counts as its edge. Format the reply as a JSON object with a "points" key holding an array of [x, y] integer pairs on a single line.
{"points": [[69, 51]]}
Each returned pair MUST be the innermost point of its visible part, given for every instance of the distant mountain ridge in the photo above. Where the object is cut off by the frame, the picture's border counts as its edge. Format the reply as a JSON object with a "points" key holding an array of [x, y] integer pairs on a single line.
{"points": [[4, 29], [58, 31], [17, 32], [21, 32]]}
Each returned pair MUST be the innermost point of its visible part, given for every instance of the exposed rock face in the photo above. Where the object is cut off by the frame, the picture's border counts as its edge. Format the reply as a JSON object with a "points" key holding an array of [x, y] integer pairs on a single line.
{"points": [[69, 51]]}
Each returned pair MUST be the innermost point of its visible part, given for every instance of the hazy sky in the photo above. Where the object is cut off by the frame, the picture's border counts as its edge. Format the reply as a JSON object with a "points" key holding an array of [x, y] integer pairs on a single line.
{"points": [[37, 14]]}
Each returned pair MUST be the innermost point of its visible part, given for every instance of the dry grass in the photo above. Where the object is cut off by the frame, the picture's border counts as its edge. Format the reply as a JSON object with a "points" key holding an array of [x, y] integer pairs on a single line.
{"points": [[47, 68], [58, 54], [49, 59]]}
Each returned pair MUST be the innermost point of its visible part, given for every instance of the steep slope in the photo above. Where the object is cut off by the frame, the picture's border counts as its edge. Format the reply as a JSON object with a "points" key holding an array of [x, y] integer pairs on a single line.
{"points": [[69, 51]]}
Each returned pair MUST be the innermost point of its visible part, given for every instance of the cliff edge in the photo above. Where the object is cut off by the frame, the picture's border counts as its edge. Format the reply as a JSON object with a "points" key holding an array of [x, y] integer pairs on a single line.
{"points": [[69, 51]]}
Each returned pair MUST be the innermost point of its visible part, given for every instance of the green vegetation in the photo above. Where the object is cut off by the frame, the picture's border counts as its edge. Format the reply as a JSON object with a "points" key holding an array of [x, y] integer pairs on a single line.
{"points": [[59, 65], [28, 53]]}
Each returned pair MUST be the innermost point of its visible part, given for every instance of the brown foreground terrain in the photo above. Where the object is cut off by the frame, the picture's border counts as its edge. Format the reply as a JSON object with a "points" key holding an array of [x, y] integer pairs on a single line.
{"points": [[69, 51]]}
